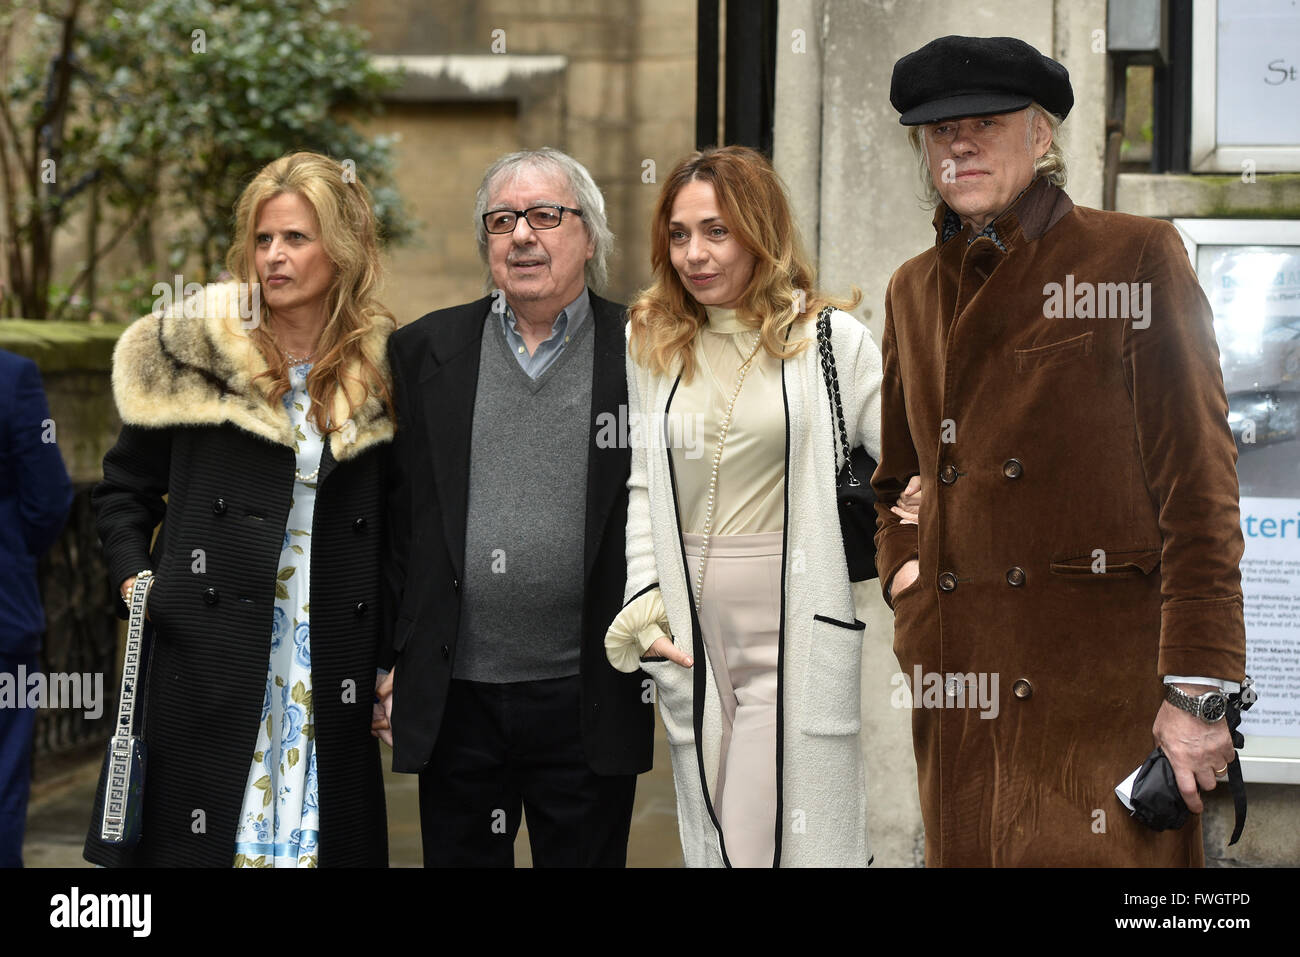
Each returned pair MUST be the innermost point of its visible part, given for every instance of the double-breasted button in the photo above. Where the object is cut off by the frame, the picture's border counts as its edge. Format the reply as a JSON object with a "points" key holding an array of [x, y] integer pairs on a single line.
{"points": [[446, 653], [359, 525], [1021, 688], [1012, 468], [1015, 576], [361, 608], [210, 596], [948, 474], [219, 507], [947, 582]]}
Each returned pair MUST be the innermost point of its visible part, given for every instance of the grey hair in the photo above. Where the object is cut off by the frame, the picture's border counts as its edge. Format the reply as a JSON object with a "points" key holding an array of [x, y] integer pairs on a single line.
{"points": [[1050, 166], [586, 194]]}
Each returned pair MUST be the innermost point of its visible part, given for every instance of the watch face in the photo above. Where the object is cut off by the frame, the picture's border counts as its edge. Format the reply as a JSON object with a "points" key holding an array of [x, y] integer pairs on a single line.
{"points": [[1213, 706]]}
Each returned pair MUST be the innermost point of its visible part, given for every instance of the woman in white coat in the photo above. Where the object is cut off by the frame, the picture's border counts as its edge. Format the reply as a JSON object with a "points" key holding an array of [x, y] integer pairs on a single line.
{"points": [[738, 601]]}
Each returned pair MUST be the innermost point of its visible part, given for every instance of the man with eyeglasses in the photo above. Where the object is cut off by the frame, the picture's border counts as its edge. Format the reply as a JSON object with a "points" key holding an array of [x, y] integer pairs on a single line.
{"points": [[508, 508]]}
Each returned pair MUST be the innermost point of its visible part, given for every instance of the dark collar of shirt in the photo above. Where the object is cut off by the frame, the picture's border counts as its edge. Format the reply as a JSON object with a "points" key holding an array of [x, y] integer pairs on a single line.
{"points": [[567, 324], [952, 225]]}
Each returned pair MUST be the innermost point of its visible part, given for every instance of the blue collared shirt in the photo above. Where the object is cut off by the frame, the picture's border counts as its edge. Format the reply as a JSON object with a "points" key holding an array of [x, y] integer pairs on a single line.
{"points": [[567, 324]]}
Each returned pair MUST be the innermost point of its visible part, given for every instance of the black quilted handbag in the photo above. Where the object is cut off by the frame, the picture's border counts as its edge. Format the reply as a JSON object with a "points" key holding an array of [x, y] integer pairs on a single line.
{"points": [[853, 492]]}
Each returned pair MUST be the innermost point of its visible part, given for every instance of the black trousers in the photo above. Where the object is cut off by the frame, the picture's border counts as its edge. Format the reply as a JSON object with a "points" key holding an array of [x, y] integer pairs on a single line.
{"points": [[509, 748]]}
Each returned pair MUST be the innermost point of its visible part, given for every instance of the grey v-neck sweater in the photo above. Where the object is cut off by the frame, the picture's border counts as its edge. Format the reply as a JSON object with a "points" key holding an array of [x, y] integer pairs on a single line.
{"points": [[521, 594]]}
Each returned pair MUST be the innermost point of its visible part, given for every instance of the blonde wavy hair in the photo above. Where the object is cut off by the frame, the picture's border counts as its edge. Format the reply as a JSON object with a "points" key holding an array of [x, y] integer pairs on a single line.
{"points": [[349, 235], [665, 317], [1050, 166]]}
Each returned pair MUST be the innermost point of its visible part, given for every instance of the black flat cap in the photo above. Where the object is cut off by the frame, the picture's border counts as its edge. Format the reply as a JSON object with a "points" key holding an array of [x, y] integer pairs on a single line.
{"points": [[976, 76]]}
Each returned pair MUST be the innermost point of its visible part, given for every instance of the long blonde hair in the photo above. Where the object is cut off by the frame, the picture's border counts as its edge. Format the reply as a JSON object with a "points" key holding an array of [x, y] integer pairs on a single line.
{"points": [[665, 318], [350, 238]]}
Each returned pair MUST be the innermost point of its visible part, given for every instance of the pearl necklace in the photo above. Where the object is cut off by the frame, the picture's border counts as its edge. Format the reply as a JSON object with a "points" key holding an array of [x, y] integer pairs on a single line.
{"points": [[713, 475]]}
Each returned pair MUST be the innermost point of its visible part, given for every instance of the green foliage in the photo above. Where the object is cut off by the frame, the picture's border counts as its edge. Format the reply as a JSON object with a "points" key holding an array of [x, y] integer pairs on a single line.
{"points": [[199, 113], [176, 104]]}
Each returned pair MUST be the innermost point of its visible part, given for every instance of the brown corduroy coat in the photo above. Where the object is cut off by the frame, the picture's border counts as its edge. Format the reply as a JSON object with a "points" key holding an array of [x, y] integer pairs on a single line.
{"points": [[1050, 449]]}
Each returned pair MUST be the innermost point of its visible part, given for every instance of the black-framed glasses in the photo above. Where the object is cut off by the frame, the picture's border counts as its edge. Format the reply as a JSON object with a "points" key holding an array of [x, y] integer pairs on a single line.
{"points": [[545, 216]]}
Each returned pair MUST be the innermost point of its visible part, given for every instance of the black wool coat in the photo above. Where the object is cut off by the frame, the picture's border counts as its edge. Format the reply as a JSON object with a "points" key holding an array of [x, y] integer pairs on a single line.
{"points": [[434, 363], [198, 431]]}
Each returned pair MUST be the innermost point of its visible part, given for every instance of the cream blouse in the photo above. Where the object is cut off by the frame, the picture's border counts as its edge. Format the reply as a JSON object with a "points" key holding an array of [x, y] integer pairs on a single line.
{"points": [[750, 495]]}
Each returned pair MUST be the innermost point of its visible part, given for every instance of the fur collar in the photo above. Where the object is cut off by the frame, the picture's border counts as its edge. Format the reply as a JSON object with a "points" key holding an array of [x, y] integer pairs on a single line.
{"points": [[171, 370]]}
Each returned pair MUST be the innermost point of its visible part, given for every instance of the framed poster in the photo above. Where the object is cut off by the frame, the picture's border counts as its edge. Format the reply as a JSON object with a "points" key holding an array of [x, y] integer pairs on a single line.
{"points": [[1245, 86], [1250, 270]]}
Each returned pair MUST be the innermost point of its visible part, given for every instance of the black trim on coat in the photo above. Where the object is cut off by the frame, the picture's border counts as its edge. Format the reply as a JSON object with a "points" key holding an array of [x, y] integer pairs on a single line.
{"points": [[651, 587], [855, 626], [698, 677], [697, 638], [780, 641]]}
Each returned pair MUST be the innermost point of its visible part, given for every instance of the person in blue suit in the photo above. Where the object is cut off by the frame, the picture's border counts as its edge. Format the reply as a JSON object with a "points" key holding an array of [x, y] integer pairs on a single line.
{"points": [[35, 495]]}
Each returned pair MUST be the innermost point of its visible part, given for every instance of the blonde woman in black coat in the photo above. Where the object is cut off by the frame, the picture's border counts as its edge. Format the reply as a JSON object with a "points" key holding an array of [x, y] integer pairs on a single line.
{"points": [[265, 431]]}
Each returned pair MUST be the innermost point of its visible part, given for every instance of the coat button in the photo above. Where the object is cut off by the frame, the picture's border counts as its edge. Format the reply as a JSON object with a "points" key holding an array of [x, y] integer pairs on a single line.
{"points": [[948, 474], [1022, 688], [359, 525], [219, 507], [455, 584], [1012, 468], [1015, 576], [360, 609], [446, 653], [947, 582], [210, 596]]}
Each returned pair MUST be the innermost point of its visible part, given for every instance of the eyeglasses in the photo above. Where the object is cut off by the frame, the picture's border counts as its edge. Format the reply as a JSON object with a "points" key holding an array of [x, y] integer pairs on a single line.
{"points": [[546, 216]]}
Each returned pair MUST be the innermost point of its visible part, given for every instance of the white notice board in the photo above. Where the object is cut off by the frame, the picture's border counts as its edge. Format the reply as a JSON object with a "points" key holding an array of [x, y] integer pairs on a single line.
{"points": [[1250, 271], [1245, 86]]}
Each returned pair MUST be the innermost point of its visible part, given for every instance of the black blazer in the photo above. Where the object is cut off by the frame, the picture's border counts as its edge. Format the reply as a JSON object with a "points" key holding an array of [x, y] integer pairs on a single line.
{"points": [[434, 363]]}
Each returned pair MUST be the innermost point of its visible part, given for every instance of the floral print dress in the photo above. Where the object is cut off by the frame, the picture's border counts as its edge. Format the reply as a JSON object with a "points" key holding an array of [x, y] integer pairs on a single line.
{"points": [[280, 820]]}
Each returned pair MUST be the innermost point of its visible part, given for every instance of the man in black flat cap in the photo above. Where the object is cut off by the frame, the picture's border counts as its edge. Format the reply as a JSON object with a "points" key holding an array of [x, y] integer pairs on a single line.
{"points": [[1051, 375]]}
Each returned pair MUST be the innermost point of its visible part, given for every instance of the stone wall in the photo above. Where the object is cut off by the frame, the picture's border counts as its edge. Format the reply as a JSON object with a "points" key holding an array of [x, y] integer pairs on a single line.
{"points": [[82, 630], [611, 82]]}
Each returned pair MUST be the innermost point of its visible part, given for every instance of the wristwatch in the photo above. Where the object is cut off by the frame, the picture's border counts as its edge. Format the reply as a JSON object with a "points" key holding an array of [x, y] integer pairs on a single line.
{"points": [[1211, 706]]}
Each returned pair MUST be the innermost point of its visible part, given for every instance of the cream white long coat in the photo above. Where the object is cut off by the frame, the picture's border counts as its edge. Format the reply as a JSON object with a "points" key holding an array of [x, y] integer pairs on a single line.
{"points": [[821, 805]]}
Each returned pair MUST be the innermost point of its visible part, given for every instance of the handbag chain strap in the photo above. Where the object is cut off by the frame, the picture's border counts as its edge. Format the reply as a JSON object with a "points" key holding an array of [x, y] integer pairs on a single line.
{"points": [[707, 534], [833, 388], [117, 784], [131, 663]]}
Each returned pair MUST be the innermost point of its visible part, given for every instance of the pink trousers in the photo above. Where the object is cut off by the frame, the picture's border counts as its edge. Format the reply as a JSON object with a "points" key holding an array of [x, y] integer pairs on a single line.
{"points": [[740, 618]]}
